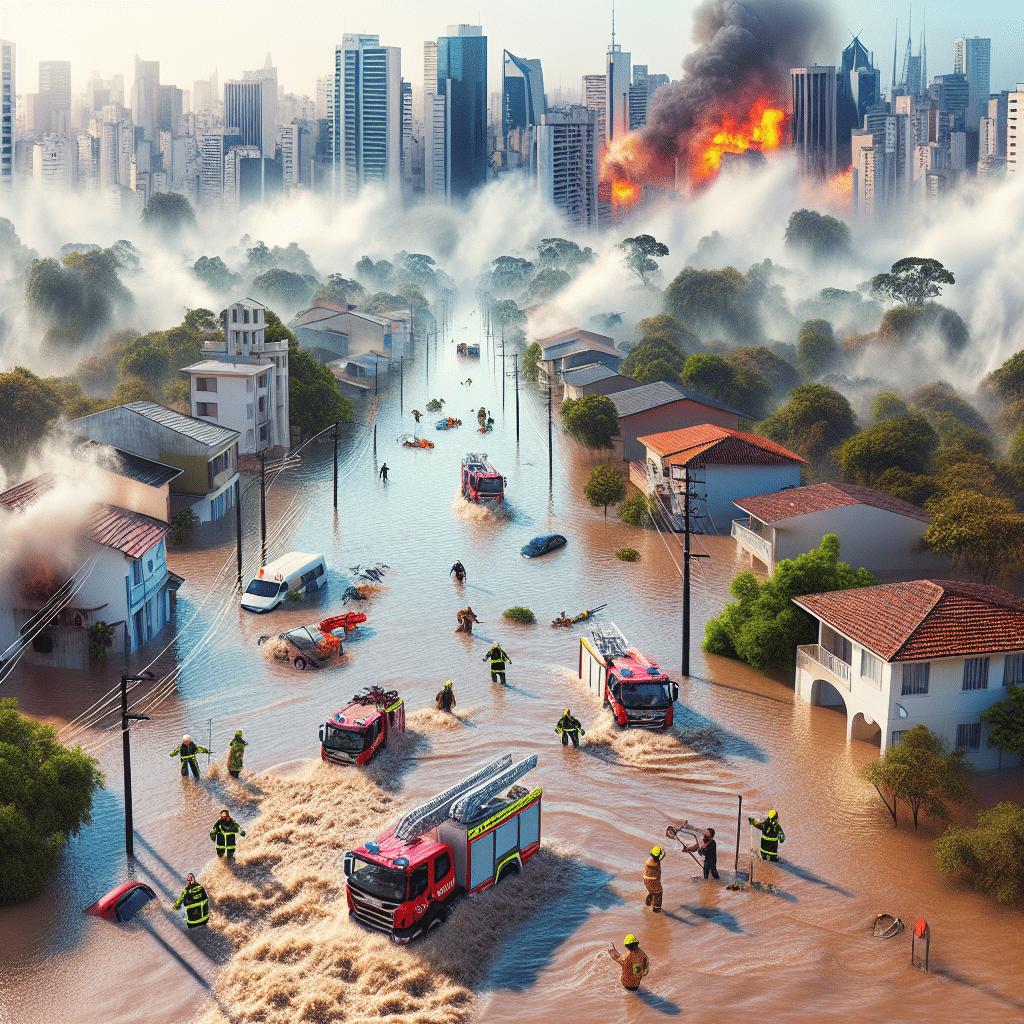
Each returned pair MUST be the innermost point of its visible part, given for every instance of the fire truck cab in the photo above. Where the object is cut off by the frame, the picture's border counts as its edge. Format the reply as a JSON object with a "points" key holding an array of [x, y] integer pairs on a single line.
{"points": [[481, 482], [355, 733]]}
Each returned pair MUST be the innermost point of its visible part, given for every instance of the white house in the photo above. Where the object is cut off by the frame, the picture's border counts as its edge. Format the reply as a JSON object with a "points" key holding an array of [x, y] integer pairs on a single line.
{"points": [[930, 652], [243, 382], [129, 587], [876, 531], [720, 463]]}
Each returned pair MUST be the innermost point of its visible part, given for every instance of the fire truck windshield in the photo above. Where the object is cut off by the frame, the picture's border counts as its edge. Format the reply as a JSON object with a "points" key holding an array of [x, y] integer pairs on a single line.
{"points": [[383, 882], [348, 741], [644, 695], [489, 485]]}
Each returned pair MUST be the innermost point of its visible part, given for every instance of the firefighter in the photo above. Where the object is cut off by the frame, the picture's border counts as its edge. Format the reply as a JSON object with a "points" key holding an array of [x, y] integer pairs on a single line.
{"points": [[187, 750], [466, 617], [498, 658], [634, 962], [197, 903], [446, 697], [570, 728], [771, 835], [223, 833], [459, 570], [235, 755], [652, 879]]}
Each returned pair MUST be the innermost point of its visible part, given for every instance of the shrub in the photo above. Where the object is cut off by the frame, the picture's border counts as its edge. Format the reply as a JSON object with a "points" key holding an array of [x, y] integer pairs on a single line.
{"points": [[637, 510], [605, 487], [628, 555], [519, 614], [101, 636], [990, 856]]}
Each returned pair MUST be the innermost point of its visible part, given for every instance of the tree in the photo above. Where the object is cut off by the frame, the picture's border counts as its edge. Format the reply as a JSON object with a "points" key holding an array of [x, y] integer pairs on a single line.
{"points": [[1007, 721], [201, 319], [989, 856], [605, 487], [732, 385], [214, 273], [28, 405], [530, 360], [817, 354], [549, 281], [763, 627], [637, 510], [378, 302], [711, 300], [820, 236], [920, 772], [339, 290], [812, 423], [665, 327], [505, 313], [761, 361], [259, 258], [169, 212], [888, 406], [133, 389], [313, 399], [982, 534], [147, 363], [283, 287], [560, 252], [639, 253], [46, 793], [1006, 384], [912, 281], [510, 274], [591, 419], [908, 444], [654, 359], [933, 400]]}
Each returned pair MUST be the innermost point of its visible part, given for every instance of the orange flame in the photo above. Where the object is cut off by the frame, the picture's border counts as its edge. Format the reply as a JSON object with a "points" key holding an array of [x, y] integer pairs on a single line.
{"points": [[624, 193], [762, 130], [840, 189]]}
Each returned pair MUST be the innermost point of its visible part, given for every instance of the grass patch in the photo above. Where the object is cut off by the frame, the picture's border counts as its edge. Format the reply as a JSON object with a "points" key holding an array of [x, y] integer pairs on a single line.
{"points": [[628, 555], [520, 614]]}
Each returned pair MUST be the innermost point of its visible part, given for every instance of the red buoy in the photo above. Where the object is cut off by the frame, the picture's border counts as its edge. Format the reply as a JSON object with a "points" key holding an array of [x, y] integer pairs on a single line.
{"points": [[921, 927]]}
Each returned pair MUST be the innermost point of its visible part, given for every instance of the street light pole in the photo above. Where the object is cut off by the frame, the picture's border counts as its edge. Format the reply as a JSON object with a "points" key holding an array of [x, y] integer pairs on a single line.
{"points": [[126, 754], [515, 364], [401, 379], [263, 507], [335, 466], [238, 531], [503, 373], [551, 471]]}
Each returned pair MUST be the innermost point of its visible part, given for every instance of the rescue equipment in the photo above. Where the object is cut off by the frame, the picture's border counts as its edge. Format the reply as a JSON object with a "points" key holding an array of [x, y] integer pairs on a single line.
{"points": [[886, 926], [582, 617]]}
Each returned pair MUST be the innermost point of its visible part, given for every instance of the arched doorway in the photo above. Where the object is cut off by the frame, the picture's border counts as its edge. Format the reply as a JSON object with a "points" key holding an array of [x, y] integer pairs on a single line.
{"points": [[825, 695], [865, 728]]}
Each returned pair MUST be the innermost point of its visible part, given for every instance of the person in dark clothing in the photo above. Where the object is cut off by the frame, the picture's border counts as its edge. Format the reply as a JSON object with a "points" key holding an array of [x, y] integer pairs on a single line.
{"points": [[446, 697], [498, 658], [771, 835], [236, 754], [187, 751], [570, 728], [708, 849], [384, 472], [459, 570], [197, 903], [223, 833]]}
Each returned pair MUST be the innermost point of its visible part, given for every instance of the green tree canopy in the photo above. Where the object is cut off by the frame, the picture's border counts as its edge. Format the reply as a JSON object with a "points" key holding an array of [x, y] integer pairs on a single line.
{"points": [[1006, 719], [665, 327], [639, 254], [283, 288], [760, 360], [908, 444], [200, 319], [763, 627], [888, 406], [637, 510], [28, 405], [920, 772], [912, 281], [46, 793], [933, 400], [547, 282], [990, 856], [505, 313], [510, 274], [817, 234], [591, 419], [605, 487], [817, 354], [340, 291], [725, 382], [710, 300], [147, 363], [214, 273], [654, 359], [1006, 384], [313, 399], [378, 302], [900, 324], [531, 359], [169, 212], [981, 533], [815, 420], [560, 252]]}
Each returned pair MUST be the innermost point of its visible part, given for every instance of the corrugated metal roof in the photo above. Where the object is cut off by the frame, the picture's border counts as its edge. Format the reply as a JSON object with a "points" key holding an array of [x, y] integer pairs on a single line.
{"points": [[799, 501], [199, 430], [132, 466], [581, 376], [661, 392]]}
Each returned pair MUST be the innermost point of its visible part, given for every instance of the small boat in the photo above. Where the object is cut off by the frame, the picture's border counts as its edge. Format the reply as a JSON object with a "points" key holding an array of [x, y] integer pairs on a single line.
{"points": [[886, 926], [462, 349], [408, 441], [448, 423], [582, 617], [122, 903]]}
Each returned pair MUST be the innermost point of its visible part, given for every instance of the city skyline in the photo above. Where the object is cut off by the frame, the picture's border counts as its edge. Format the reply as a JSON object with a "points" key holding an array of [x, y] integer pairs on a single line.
{"points": [[107, 36]]}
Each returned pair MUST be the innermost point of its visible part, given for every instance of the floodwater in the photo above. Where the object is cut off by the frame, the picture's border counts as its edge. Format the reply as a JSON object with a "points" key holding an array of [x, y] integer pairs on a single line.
{"points": [[281, 948]]}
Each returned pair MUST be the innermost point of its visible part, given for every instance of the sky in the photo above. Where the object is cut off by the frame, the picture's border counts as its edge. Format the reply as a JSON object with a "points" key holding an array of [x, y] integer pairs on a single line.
{"points": [[191, 38]]}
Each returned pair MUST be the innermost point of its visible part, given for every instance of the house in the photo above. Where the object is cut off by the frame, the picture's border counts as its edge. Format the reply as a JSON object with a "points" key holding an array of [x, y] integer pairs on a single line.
{"points": [[362, 374], [242, 383], [572, 348], [206, 453], [659, 407], [876, 531], [720, 463], [595, 379], [928, 652], [125, 583], [335, 333], [322, 331]]}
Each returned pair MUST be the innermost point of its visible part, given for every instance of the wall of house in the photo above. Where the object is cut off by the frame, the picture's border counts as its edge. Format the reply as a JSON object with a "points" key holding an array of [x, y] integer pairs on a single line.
{"points": [[237, 400], [671, 416], [364, 335], [608, 386], [148, 600], [723, 484]]}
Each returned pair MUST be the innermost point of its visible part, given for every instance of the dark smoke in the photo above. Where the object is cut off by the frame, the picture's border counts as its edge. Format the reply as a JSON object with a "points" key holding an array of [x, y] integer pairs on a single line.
{"points": [[746, 50]]}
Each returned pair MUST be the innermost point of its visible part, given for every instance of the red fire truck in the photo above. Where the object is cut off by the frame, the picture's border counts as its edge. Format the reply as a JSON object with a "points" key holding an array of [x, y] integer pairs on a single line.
{"points": [[354, 734], [638, 692], [465, 839], [481, 482]]}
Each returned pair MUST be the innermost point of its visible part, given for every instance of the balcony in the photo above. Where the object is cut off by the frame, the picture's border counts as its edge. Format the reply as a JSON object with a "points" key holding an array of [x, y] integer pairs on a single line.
{"points": [[755, 543], [816, 659]]}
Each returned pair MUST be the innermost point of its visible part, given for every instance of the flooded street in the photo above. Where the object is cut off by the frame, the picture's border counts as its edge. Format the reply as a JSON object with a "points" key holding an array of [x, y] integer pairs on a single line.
{"points": [[533, 948]]}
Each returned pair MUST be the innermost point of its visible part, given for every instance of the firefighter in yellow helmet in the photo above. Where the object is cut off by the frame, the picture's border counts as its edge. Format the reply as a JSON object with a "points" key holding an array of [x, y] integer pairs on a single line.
{"points": [[652, 879], [771, 835], [445, 697], [634, 962], [569, 728]]}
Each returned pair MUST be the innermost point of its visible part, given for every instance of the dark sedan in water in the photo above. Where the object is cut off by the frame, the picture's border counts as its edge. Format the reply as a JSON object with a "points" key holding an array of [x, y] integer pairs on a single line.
{"points": [[543, 545]]}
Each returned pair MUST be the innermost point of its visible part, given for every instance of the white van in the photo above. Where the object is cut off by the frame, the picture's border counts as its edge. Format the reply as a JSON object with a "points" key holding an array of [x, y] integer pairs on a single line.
{"points": [[299, 571]]}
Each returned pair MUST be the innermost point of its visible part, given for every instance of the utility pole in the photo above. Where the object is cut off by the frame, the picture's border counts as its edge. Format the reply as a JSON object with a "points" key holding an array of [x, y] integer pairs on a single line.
{"points": [[687, 555], [401, 378], [335, 466], [551, 471], [515, 364], [238, 532], [503, 372], [126, 754], [263, 507]]}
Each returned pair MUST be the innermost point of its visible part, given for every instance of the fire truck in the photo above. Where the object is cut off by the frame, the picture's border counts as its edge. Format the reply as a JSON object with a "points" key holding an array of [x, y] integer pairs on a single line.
{"points": [[638, 692], [464, 840], [481, 482], [354, 734]]}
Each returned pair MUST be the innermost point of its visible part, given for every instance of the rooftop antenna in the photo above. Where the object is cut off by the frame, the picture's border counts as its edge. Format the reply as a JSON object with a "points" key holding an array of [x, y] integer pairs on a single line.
{"points": [[613, 24], [924, 55], [895, 44]]}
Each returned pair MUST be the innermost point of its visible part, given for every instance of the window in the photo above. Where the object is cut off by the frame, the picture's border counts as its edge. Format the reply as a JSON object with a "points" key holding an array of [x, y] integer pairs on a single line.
{"points": [[234, 319], [249, 413], [206, 384], [245, 337], [836, 644], [255, 316], [419, 882], [897, 737], [263, 404], [442, 866], [975, 674], [871, 667], [206, 409], [263, 380], [968, 737], [136, 573], [248, 385], [1013, 670], [245, 316], [915, 679]]}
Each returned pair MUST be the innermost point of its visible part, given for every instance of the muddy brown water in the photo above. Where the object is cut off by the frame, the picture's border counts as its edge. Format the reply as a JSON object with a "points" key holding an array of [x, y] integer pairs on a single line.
{"points": [[281, 947]]}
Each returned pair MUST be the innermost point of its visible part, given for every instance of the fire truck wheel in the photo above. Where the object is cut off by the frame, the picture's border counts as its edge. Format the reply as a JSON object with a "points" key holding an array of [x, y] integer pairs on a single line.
{"points": [[511, 868], [300, 663], [439, 918]]}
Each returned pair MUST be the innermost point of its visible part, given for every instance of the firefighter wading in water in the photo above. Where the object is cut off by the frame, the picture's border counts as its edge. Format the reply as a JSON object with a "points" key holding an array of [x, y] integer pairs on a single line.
{"points": [[446, 697], [197, 903], [771, 835], [236, 753], [498, 658], [652, 879], [223, 833], [187, 750], [634, 962]]}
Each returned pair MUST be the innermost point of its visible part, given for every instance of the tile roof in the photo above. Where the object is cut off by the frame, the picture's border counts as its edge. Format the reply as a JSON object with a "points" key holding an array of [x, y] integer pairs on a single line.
{"points": [[799, 501], [580, 376], [708, 445], [659, 393], [199, 430], [924, 619], [129, 532]]}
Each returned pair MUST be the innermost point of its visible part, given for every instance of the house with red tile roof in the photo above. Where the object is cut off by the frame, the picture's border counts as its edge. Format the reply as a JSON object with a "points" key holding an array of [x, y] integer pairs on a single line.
{"points": [[719, 462], [876, 531], [118, 554], [927, 652]]}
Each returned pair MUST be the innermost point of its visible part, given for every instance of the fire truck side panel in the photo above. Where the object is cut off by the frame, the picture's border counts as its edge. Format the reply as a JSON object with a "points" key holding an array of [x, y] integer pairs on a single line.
{"points": [[593, 670], [455, 836], [481, 862]]}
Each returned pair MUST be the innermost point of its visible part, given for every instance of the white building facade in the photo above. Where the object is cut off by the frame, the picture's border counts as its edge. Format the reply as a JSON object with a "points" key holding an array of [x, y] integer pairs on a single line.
{"points": [[567, 163], [8, 112]]}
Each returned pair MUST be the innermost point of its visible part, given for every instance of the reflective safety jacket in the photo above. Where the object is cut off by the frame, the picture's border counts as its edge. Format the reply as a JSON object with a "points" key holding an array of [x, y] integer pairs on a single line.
{"points": [[197, 905], [569, 724], [236, 753], [188, 751], [498, 658], [771, 835], [223, 834], [652, 874], [445, 699], [634, 964]]}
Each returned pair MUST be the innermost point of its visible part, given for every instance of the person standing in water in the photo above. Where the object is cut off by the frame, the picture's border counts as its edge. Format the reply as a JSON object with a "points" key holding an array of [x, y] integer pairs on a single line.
{"points": [[771, 834], [445, 697], [187, 751], [652, 879], [459, 570], [569, 728], [197, 903], [466, 619], [498, 658], [708, 849], [634, 963], [384, 472], [224, 832], [236, 754]]}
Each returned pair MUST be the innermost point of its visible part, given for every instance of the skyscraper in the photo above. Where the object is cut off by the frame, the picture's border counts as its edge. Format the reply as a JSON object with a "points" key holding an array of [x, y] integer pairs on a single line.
{"points": [[567, 163], [973, 59], [8, 113], [367, 114], [595, 98], [522, 93], [1014, 126], [813, 109], [266, 76], [618, 73], [462, 81], [53, 101], [243, 111], [858, 87], [146, 97]]}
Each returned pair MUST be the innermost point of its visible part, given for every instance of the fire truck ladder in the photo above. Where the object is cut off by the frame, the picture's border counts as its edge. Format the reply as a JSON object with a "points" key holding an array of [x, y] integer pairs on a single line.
{"points": [[434, 811], [469, 806], [477, 463], [609, 641]]}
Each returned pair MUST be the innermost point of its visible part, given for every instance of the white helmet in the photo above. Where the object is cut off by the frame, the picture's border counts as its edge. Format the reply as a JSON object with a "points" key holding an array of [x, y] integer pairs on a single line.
{"points": [[186, 738]]}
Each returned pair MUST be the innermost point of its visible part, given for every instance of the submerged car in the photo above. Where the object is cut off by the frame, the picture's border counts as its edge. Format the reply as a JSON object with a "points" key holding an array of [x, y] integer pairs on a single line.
{"points": [[314, 646], [543, 545]]}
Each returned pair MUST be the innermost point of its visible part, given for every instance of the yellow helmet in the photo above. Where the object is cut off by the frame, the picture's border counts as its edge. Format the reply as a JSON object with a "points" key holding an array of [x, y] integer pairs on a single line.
{"points": [[449, 683], [568, 712], [773, 813], [631, 940], [658, 852]]}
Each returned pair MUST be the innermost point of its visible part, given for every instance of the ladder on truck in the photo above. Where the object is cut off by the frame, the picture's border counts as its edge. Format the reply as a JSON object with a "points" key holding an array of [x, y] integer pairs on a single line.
{"points": [[609, 641], [477, 463], [429, 815], [469, 806]]}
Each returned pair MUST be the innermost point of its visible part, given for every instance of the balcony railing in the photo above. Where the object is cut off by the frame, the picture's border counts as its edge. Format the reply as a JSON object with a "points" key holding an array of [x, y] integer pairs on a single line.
{"points": [[755, 542], [814, 658]]}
